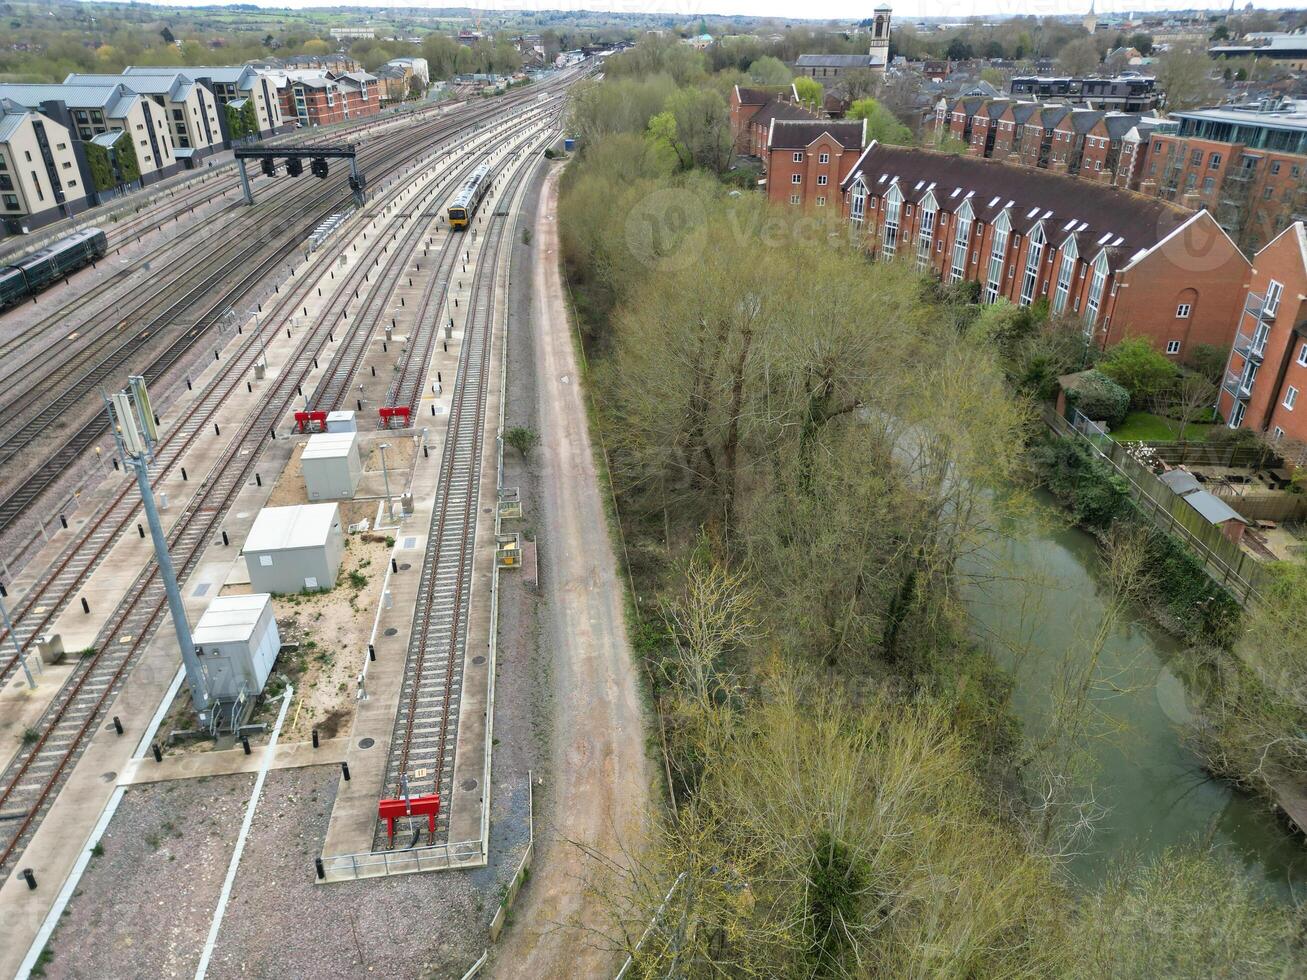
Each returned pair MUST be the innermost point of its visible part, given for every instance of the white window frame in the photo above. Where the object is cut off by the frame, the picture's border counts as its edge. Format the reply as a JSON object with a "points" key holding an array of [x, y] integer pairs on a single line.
{"points": [[823, 157], [794, 198], [1274, 292], [997, 254], [821, 200], [961, 241], [1290, 398], [1066, 271], [1183, 310], [798, 156], [822, 180], [796, 178], [893, 206], [926, 214], [1173, 347], [1097, 286], [1277, 433], [858, 203], [1302, 355], [1034, 256]]}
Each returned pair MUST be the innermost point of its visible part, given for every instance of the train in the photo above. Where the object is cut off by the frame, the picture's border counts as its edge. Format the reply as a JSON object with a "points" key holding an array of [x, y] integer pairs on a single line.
{"points": [[33, 273], [465, 202]]}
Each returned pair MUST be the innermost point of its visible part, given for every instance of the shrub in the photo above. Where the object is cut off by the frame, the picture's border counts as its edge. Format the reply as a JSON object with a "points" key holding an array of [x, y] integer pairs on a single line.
{"points": [[1099, 397], [1080, 480], [1138, 366]]}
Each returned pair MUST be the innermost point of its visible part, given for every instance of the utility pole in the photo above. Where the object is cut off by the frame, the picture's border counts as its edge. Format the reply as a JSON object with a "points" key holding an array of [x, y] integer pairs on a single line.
{"points": [[132, 420], [385, 477], [9, 626]]}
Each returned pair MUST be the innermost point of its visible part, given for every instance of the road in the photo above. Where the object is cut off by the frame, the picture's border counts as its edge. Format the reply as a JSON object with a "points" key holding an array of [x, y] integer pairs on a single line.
{"points": [[601, 777]]}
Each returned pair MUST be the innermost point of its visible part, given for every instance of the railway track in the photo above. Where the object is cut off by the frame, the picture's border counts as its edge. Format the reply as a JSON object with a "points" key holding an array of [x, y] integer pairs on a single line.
{"points": [[422, 748], [31, 780], [333, 388], [37, 609], [77, 389]]}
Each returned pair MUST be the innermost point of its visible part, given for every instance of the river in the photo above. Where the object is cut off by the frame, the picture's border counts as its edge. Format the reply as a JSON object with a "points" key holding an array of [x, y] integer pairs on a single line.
{"points": [[1044, 606]]}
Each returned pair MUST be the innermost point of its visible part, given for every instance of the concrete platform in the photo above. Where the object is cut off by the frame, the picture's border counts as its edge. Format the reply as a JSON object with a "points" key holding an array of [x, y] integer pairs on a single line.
{"points": [[195, 765]]}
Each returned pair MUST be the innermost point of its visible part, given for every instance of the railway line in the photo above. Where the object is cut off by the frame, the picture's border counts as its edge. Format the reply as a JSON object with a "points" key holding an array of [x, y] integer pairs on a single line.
{"points": [[421, 758], [40, 606], [33, 777], [76, 387]]}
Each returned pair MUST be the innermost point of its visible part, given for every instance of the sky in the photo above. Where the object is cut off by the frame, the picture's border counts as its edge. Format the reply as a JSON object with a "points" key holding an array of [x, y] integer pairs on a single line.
{"points": [[822, 9]]}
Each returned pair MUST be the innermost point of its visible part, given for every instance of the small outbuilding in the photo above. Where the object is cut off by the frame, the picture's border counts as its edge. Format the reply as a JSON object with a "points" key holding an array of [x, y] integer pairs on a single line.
{"points": [[237, 643], [295, 549], [331, 467], [341, 421]]}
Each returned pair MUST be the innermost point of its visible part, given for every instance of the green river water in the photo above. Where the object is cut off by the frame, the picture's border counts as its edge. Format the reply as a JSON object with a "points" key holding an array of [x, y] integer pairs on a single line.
{"points": [[1042, 606]]}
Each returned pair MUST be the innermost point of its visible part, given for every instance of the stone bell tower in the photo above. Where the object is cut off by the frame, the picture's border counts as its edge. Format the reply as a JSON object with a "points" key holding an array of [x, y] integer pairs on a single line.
{"points": [[880, 34]]}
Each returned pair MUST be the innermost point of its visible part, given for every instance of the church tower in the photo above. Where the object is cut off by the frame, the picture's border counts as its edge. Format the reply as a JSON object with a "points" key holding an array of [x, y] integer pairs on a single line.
{"points": [[1090, 20], [880, 34]]}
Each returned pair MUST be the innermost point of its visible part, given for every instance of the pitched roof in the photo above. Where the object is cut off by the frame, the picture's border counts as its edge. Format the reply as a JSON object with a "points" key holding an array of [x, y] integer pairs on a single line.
{"points": [[114, 98], [839, 61], [1100, 217], [1120, 123], [799, 133], [1083, 120], [780, 109], [12, 116], [756, 96]]}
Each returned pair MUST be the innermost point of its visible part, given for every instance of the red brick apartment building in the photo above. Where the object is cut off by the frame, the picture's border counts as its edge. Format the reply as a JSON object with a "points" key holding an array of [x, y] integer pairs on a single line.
{"points": [[752, 111], [1090, 143], [1246, 164], [314, 98], [1266, 378], [1125, 264], [807, 160]]}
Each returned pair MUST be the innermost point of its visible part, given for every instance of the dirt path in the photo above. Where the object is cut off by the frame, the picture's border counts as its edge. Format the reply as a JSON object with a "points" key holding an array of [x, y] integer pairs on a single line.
{"points": [[600, 785]]}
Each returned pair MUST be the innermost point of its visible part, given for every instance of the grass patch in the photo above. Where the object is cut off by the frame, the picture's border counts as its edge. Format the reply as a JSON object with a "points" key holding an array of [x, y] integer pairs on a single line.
{"points": [[1147, 427]]}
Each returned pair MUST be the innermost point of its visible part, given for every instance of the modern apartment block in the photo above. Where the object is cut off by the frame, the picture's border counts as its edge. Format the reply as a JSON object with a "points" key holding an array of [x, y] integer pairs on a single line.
{"points": [[1267, 371], [191, 109], [1125, 265], [40, 176], [1245, 164], [230, 84], [319, 98]]}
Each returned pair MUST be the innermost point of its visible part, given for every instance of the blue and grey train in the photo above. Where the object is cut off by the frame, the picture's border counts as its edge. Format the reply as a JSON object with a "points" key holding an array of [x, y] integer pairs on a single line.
{"points": [[33, 273]]}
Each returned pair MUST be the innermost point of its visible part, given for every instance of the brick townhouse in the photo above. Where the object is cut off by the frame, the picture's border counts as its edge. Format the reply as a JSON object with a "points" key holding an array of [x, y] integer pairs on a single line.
{"points": [[752, 111], [1092, 143], [313, 97], [808, 159], [1124, 264], [1267, 371], [1246, 164]]}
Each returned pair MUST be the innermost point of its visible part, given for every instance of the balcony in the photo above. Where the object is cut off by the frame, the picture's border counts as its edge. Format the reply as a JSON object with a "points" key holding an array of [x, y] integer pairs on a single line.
{"points": [[1249, 347], [1255, 306], [1236, 386]]}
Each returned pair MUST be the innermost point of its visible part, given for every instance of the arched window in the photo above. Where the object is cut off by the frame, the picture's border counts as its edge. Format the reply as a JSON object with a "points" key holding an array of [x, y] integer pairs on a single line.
{"points": [[1034, 255], [893, 208], [1066, 271], [926, 230], [1097, 283], [997, 256], [880, 26], [961, 241]]}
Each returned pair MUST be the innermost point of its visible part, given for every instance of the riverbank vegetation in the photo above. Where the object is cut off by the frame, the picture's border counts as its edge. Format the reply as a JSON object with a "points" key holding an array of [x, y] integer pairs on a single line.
{"points": [[804, 449]]}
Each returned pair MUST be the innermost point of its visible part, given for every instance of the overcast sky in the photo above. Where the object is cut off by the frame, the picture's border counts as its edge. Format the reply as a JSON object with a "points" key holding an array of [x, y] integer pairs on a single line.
{"points": [[822, 9]]}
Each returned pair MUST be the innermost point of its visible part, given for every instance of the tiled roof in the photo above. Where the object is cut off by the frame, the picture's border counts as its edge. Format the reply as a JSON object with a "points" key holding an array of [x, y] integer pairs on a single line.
{"points": [[778, 109], [1083, 120], [1099, 216], [797, 133], [755, 96]]}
